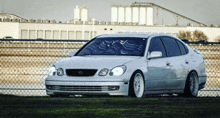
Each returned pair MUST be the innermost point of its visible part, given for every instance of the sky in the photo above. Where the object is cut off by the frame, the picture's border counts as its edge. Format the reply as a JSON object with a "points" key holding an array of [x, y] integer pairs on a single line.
{"points": [[205, 11]]}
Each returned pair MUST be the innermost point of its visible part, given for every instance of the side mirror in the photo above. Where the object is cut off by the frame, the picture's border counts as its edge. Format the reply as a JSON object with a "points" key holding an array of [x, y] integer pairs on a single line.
{"points": [[155, 54], [72, 53]]}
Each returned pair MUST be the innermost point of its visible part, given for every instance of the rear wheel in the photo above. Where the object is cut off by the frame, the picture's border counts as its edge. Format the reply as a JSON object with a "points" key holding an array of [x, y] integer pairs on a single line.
{"points": [[137, 85], [192, 85]]}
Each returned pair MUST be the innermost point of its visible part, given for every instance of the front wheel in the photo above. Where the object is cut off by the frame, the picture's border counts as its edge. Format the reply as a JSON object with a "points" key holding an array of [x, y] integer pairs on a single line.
{"points": [[192, 85], [137, 85]]}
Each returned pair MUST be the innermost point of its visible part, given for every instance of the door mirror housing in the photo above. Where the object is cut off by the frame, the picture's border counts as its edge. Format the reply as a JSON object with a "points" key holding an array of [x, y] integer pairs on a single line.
{"points": [[155, 54], [72, 53]]}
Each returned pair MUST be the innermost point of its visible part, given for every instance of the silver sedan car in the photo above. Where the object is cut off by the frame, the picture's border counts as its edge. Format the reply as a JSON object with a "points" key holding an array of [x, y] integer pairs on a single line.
{"points": [[129, 65]]}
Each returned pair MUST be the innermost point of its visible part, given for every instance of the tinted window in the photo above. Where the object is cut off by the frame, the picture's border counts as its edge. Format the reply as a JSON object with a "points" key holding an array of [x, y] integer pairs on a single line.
{"points": [[182, 48], [186, 48], [157, 45], [171, 46], [124, 46]]}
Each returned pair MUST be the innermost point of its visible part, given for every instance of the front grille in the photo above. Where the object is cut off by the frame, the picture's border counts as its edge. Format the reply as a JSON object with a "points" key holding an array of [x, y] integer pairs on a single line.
{"points": [[81, 72], [82, 88]]}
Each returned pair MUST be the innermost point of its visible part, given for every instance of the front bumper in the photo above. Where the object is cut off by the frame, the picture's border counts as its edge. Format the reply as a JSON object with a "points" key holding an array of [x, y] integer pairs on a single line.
{"points": [[83, 87]]}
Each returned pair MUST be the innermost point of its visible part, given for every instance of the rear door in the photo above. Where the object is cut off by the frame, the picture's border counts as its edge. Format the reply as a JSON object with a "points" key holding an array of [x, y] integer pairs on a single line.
{"points": [[177, 61]]}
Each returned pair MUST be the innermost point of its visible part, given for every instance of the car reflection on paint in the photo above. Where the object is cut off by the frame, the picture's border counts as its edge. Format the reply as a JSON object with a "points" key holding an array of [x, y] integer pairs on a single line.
{"points": [[129, 65]]}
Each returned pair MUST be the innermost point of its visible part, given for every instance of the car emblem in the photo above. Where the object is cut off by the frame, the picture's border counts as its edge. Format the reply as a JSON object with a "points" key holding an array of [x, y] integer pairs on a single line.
{"points": [[80, 72]]}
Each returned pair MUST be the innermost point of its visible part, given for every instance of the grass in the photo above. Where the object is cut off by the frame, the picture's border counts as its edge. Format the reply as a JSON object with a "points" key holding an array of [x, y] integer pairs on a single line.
{"points": [[15, 106]]}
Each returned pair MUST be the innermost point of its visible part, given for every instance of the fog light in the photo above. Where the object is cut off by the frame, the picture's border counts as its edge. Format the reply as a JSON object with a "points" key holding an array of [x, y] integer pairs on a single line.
{"points": [[113, 88], [51, 87]]}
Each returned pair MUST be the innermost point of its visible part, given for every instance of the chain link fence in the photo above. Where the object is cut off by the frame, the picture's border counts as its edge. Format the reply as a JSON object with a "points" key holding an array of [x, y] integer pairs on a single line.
{"points": [[24, 64]]}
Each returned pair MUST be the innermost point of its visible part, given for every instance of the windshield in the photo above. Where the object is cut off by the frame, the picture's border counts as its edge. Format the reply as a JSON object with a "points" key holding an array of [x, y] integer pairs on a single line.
{"points": [[122, 46]]}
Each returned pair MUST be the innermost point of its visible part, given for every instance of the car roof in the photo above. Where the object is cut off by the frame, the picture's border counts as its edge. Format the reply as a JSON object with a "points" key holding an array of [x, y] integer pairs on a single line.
{"points": [[138, 35]]}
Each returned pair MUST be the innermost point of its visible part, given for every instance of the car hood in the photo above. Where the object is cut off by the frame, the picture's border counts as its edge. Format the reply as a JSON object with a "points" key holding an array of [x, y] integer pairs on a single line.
{"points": [[94, 62]]}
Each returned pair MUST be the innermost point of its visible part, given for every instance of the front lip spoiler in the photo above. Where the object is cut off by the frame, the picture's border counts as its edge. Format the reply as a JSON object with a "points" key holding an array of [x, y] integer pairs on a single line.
{"points": [[123, 91], [75, 93], [80, 81]]}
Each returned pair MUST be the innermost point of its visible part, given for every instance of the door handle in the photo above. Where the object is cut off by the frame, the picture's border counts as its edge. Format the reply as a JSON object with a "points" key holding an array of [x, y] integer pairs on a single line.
{"points": [[186, 61], [168, 63]]}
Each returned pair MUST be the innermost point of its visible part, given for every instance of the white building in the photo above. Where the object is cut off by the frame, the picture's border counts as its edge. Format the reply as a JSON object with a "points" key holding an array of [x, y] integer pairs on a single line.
{"points": [[77, 13], [29, 30], [136, 18], [142, 15], [81, 14]]}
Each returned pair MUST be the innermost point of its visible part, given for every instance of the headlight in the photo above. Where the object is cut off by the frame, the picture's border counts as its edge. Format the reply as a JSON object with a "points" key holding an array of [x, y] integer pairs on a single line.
{"points": [[117, 71], [52, 71], [103, 72], [60, 72]]}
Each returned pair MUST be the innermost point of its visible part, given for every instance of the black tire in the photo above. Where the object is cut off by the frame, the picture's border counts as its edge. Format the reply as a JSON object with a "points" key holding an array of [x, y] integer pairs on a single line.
{"points": [[136, 85], [192, 85]]}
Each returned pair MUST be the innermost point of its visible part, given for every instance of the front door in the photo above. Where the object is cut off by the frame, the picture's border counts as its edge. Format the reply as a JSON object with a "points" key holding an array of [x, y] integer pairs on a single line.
{"points": [[157, 76]]}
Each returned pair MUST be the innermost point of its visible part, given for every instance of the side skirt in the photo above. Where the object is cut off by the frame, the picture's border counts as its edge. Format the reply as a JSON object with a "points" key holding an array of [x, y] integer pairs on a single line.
{"points": [[164, 92]]}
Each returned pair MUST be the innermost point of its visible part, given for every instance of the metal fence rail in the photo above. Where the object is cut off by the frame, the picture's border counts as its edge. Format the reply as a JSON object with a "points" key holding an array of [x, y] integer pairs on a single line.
{"points": [[24, 64]]}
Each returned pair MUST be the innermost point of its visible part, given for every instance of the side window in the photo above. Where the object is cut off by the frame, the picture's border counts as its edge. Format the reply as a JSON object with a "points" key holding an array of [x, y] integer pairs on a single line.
{"points": [[171, 46], [157, 45], [187, 50], [182, 48]]}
